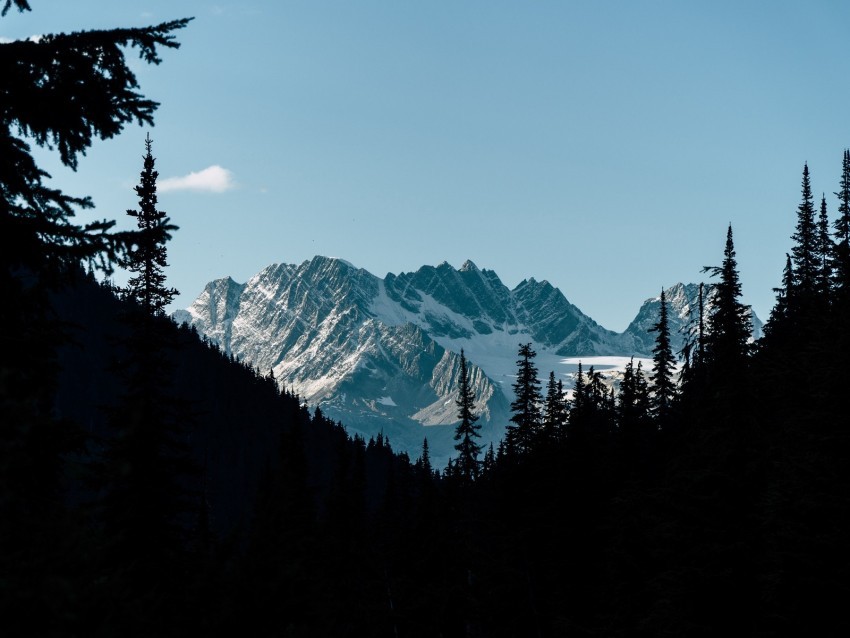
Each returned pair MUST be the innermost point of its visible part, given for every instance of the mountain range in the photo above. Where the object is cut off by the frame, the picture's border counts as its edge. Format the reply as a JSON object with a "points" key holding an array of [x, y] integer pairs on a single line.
{"points": [[383, 354]]}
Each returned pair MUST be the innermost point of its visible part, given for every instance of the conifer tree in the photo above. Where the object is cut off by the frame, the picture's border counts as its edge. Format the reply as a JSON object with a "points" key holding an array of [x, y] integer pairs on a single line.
{"points": [[805, 249], [779, 325], [554, 409], [526, 420], [701, 330], [146, 460], [468, 429], [564, 408], [578, 404], [728, 322], [489, 460], [633, 401], [593, 411], [643, 404], [842, 230], [663, 385], [825, 253], [425, 459], [148, 257]]}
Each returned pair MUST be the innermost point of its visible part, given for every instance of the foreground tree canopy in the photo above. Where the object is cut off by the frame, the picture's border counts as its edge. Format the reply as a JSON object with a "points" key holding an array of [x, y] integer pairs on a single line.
{"points": [[63, 91]]}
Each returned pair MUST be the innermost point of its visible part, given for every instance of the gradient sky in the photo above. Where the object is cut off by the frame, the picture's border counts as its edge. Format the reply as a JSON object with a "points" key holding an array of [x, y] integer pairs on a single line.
{"points": [[603, 146]]}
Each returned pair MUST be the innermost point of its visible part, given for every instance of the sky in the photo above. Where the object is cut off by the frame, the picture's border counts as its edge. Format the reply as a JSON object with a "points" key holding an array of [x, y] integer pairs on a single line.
{"points": [[603, 146]]}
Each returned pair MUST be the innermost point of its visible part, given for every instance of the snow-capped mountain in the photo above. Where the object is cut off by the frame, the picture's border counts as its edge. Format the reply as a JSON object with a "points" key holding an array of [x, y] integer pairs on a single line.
{"points": [[683, 312], [383, 354]]}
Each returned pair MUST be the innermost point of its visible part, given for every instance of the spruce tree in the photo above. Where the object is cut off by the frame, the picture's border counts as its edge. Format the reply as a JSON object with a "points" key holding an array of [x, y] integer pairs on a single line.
{"points": [[643, 403], [823, 287], [489, 461], [663, 385], [467, 430], [146, 465], [526, 420], [578, 403], [701, 331], [842, 231], [627, 395], [805, 249], [554, 410], [780, 326], [148, 257], [728, 321], [425, 459]]}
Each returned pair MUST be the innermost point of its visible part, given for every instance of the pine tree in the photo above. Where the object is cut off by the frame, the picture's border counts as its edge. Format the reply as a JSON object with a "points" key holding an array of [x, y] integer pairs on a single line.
{"points": [[842, 230], [663, 385], [632, 408], [147, 258], [643, 403], [425, 459], [564, 409], [468, 429], [489, 460], [526, 420], [825, 251], [805, 249], [554, 410], [779, 326], [729, 328], [701, 331], [146, 460], [578, 403]]}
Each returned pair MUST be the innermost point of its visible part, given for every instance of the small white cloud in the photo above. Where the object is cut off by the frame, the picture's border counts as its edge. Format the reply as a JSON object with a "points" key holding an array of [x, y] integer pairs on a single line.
{"points": [[213, 179], [5, 40]]}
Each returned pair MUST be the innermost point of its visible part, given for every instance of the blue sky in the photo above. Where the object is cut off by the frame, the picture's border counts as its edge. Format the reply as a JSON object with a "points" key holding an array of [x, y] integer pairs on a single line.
{"points": [[603, 146]]}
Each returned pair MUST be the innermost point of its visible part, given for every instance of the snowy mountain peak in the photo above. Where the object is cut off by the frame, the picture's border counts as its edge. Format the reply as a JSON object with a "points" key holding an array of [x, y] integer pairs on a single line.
{"points": [[383, 354]]}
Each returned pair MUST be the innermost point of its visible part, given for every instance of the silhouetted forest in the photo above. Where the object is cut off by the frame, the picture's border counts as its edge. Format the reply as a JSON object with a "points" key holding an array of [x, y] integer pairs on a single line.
{"points": [[151, 485]]}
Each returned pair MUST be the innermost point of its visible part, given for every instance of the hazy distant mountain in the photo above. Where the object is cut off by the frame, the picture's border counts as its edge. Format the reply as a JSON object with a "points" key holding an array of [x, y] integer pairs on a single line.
{"points": [[383, 354]]}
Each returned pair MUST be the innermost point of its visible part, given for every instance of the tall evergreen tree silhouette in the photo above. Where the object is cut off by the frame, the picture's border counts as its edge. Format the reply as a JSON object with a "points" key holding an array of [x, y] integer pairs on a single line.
{"points": [[146, 460], [148, 257], [842, 232], [823, 288], [805, 250], [554, 410], [728, 321], [467, 430], [526, 419], [633, 400], [662, 382], [779, 326]]}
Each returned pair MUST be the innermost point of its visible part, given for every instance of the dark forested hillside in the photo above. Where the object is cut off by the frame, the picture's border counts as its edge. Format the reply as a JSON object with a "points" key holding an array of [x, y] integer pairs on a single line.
{"points": [[716, 505]]}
